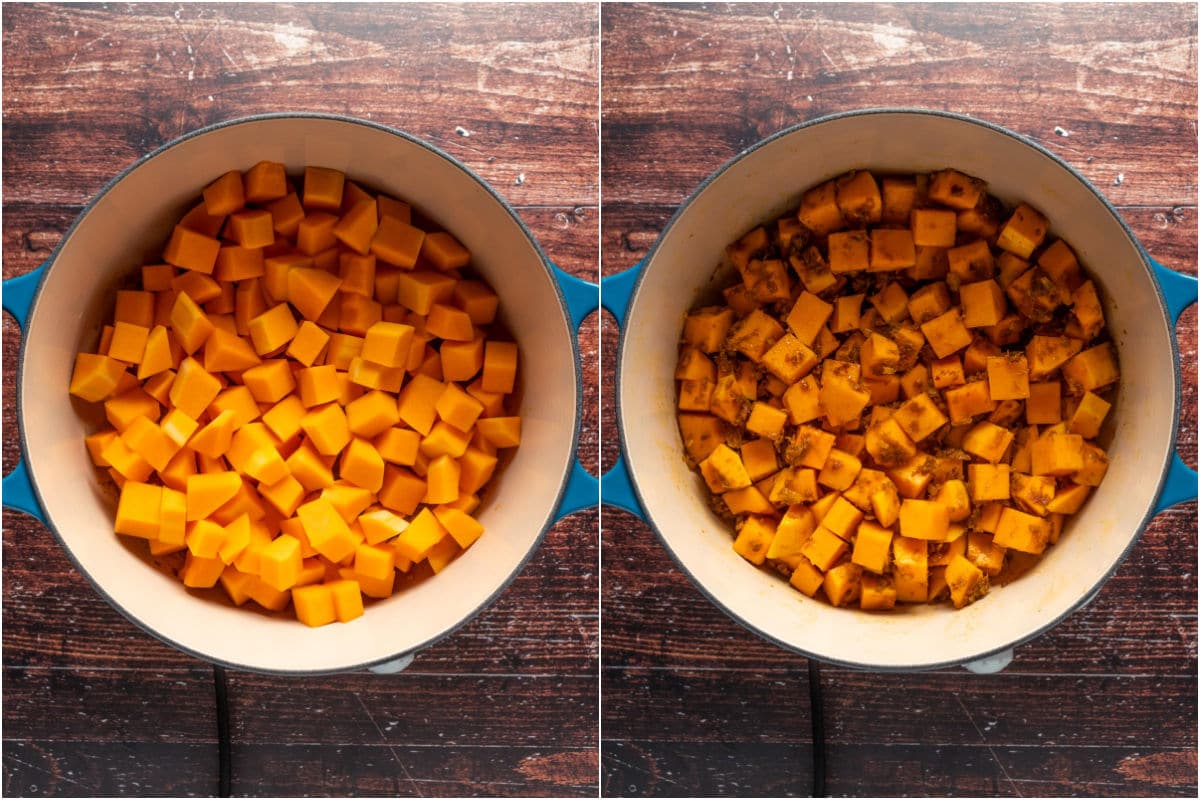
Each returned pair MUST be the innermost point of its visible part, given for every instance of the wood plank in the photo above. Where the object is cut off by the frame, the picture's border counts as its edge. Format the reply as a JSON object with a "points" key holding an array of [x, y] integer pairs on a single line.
{"points": [[669, 704], [442, 770], [725, 769], [861, 708], [885, 770], [79, 704], [151, 769], [996, 771], [418, 708], [544, 623], [47, 768], [429, 69], [734, 75]]}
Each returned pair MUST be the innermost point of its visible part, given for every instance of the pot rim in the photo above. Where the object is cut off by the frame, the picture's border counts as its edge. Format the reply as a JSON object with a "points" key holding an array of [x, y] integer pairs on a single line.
{"points": [[551, 516], [643, 265]]}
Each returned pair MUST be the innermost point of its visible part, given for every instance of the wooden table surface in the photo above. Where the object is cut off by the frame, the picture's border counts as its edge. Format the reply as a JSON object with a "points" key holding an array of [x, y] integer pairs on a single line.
{"points": [[1105, 704], [506, 705]]}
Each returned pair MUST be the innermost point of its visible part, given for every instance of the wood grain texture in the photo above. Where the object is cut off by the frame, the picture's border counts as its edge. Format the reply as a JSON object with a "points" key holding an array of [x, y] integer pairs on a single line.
{"points": [[1104, 704], [508, 704]]}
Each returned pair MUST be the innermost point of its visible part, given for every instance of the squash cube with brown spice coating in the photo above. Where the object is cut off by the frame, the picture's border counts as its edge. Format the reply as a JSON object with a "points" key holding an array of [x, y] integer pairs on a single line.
{"points": [[858, 198], [1008, 376], [723, 470], [754, 538], [966, 581], [789, 359], [878, 592], [849, 251], [946, 333], [1020, 531], [824, 548], [819, 209], [1024, 231], [843, 584]]}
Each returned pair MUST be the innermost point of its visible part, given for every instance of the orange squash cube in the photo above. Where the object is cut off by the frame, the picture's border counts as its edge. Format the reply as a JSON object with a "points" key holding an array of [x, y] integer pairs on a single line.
{"points": [[924, 519], [323, 188], [819, 210], [892, 249], [754, 538], [1023, 232], [190, 250], [357, 226], [397, 243], [327, 428], [95, 377]]}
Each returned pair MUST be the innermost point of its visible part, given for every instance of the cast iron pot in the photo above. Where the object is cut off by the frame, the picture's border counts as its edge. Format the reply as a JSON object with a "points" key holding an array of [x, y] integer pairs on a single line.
{"points": [[1143, 301], [62, 305]]}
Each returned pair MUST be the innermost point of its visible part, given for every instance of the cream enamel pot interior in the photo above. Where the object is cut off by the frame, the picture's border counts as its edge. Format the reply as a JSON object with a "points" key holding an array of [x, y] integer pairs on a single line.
{"points": [[62, 308], [1145, 474]]}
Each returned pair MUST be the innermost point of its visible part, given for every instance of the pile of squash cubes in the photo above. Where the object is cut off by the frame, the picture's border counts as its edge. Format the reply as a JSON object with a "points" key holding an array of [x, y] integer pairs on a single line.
{"points": [[899, 398], [305, 396]]}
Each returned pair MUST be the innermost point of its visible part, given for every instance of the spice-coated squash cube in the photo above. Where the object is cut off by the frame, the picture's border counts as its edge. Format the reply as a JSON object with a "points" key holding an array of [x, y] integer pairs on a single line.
{"points": [[839, 471], [824, 548], [931, 300], [858, 198], [1091, 369], [723, 470], [1057, 454], [877, 593], [910, 569], [754, 538], [789, 359], [966, 582], [983, 303], [1008, 376], [767, 281], [892, 249], [946, 333], [988, 482], [813, 270], [843, 583], [766, 421], [955, 189], [1088, 415], [968, 401], [1020, 531], [988, 441], [971, 262], [933, 227], [849, 251], [1023, 232], [819, 210]]}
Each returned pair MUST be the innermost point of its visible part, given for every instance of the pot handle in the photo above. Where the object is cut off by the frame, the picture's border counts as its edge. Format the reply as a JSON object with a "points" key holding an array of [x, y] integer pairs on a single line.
{"points": [[582, 298], [616, 488], [1179, 291], [17, 297]]}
